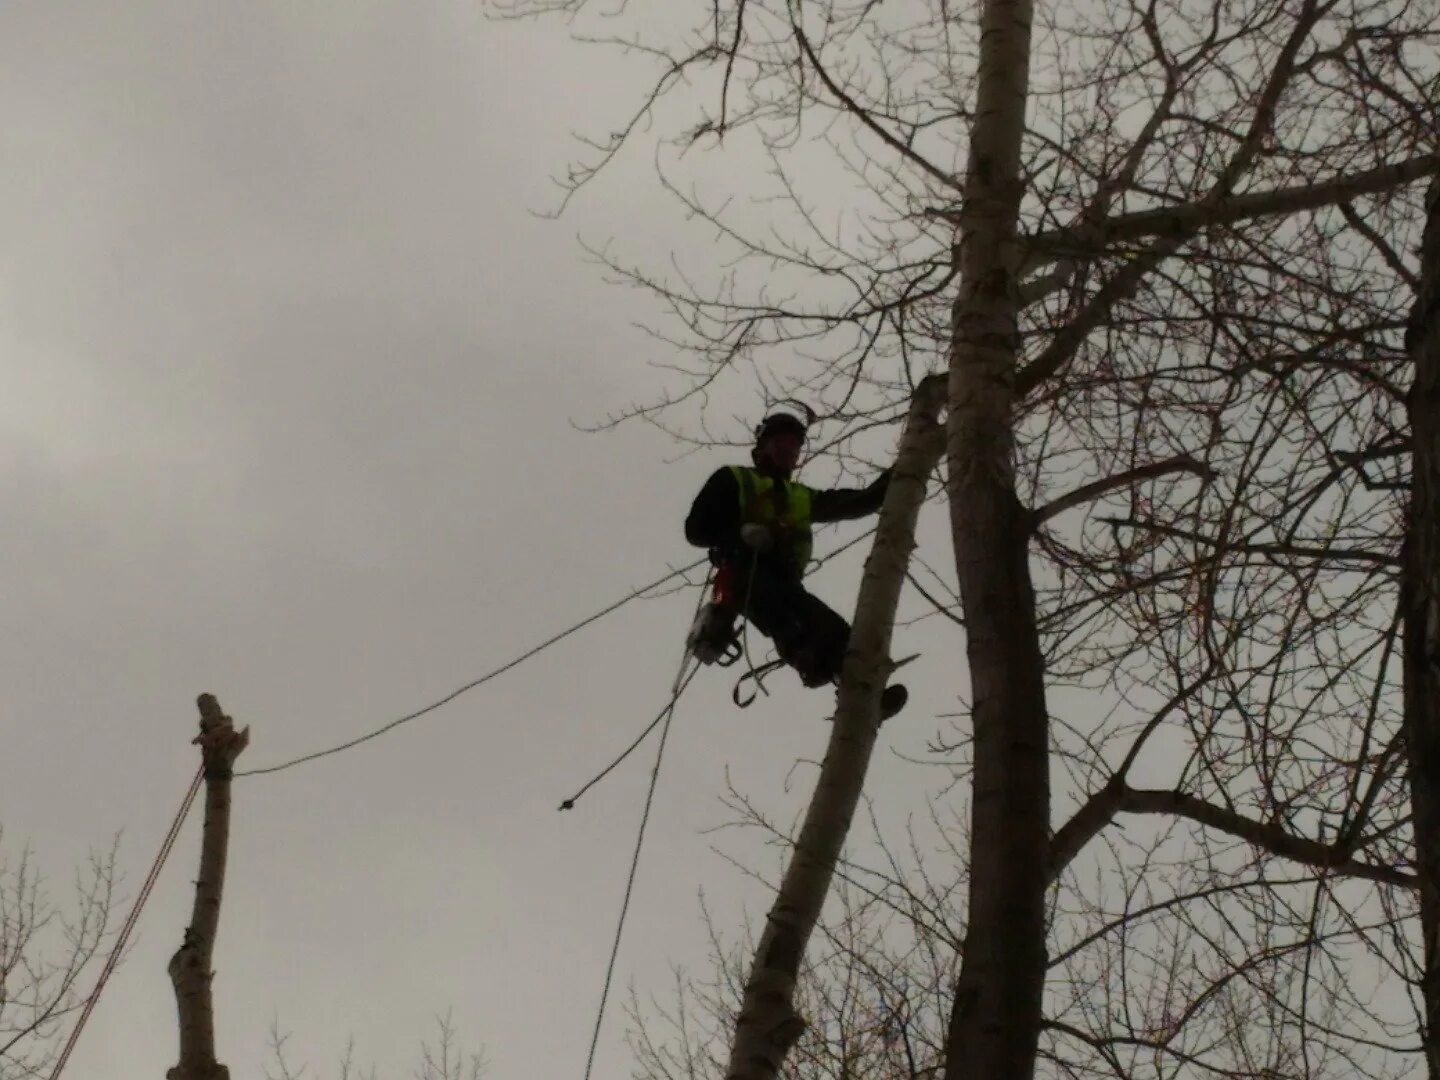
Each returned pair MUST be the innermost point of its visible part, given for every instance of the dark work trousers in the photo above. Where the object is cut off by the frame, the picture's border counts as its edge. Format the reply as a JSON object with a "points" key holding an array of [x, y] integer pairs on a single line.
{"points": [[808, 634]]}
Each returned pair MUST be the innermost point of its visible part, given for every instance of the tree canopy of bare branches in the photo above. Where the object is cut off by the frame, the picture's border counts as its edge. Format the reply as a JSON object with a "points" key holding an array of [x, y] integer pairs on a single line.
{"points": [[1165, 254], [47, 950]]}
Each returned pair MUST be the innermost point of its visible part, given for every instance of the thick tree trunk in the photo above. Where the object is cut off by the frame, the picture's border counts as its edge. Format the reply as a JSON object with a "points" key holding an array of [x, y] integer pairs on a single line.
{"points": [[995, 1022], [1420, 608], [190, 974], [768, 1025]]}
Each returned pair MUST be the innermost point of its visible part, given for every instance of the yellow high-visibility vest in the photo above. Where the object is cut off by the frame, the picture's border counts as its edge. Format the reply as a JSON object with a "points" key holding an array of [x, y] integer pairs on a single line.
{"points": [[783, 505]]}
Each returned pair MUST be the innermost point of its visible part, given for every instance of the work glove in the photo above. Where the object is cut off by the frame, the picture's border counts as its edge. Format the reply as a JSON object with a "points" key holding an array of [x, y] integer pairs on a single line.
{"points": [[757, 537]]}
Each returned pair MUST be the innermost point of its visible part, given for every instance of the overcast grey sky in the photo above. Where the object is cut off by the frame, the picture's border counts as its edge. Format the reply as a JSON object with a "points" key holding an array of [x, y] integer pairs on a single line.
{"points": [[289, 370]]}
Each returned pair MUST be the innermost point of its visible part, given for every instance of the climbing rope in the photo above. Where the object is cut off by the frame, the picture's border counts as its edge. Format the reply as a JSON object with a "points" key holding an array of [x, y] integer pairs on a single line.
{"points": [[668, 714], [757, 673], [124, 936], [569, 804], [682, 679]]}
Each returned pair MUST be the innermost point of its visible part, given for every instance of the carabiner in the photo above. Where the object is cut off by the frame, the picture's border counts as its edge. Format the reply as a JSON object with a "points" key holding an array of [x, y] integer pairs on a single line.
{"points": [[758, 674]]}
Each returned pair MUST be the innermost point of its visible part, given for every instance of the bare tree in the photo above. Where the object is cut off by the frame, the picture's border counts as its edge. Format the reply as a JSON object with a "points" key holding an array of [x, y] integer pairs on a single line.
{"points": [[875, 991], [995, 1020], [47, 951], [444, 1059], [1156, 986], [1167, 289]]}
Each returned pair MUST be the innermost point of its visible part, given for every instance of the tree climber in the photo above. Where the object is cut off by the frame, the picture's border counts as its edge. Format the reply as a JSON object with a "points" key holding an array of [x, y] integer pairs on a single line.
{"points": [[757, 524]]}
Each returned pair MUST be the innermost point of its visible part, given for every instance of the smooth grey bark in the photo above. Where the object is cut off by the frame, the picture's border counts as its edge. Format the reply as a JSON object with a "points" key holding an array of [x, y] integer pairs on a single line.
{"points": [[1420, 612], [995, 1021], [189, 968], [768, 1024]]}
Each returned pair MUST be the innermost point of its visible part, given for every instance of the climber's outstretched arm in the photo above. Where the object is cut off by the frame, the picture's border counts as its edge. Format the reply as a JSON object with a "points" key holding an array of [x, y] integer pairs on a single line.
{"points": [[845, 504]]}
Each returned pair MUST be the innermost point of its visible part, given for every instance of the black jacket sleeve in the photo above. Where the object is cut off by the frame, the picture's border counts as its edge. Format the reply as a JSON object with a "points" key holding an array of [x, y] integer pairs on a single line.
{"points": [[843, 504], [714, 519]]}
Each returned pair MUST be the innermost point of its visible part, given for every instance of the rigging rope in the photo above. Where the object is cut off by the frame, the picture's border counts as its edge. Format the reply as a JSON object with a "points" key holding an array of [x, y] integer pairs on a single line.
{"points": [[516, 662], [134, 917], [682, 681], [472, 684]]}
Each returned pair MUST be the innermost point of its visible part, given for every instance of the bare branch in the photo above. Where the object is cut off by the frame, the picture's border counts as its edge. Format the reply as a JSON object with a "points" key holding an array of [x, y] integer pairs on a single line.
{"points": [[1268, 837], [1094, 490], [1188, 219], [864, 116]]}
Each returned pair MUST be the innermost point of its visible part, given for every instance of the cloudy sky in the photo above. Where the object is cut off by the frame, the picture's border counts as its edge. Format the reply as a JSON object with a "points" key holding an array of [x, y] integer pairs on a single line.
{"points": [[288, 370]]}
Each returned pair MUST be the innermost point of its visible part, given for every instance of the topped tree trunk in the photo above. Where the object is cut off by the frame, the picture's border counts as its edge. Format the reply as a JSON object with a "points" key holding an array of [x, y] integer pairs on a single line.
{"points": [[190, 972], [768, 1024]]}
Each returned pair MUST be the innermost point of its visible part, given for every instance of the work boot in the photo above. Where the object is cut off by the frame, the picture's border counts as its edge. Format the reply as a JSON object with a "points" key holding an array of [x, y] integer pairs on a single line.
{"points": [[892, 700]]}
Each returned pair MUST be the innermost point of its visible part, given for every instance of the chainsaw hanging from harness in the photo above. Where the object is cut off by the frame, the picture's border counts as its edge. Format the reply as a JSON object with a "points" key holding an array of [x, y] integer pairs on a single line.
{"points": [[714, 637]]}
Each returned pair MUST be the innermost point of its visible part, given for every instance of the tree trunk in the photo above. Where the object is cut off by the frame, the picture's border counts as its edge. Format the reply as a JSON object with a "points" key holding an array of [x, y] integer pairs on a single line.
{"points": [[1420, 610], [768, 1025], [190, 974], [995, 1022]]}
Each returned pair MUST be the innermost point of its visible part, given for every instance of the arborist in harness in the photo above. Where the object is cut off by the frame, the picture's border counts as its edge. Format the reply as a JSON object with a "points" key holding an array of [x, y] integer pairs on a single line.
{"points": [[757, 524]]}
